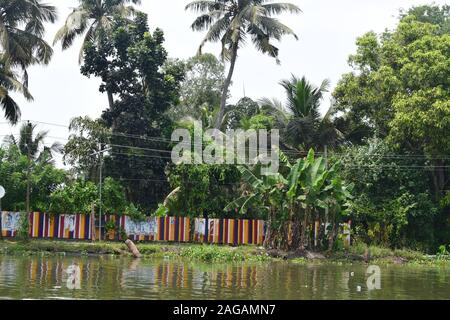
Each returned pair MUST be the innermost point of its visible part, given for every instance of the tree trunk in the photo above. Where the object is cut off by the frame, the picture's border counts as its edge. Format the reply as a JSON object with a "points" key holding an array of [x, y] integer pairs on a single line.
{"points": [[439, 179], [296, 230], [223, 100], [110, 98], [332, 235], [133, 249], [304, 229], [267, 240]]}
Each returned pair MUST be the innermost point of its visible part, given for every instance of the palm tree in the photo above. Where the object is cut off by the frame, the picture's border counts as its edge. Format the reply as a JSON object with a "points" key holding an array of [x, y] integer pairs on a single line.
{"points": [[21, 45], [232, 21], [90, 19], [22, 30], [33, 146], [300, 119], [9, 83]]}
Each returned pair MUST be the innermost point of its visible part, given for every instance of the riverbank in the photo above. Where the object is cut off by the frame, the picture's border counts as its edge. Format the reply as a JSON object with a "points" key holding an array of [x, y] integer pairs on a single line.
{"points": [[215, 253], [207, 253]]}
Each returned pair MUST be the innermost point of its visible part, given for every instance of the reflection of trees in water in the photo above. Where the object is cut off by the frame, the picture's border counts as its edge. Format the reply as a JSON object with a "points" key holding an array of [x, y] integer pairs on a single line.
{"points": [[106, 278], [111, 278]]}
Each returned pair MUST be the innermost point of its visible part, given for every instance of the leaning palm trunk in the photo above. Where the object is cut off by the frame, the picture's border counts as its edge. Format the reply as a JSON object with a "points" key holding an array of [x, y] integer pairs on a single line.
{"points": [[223, 100]]}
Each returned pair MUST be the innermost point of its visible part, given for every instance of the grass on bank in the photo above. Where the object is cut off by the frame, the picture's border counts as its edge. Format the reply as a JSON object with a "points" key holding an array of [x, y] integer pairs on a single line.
{"points": [[214, 253], [206, 253], [383, 255]]}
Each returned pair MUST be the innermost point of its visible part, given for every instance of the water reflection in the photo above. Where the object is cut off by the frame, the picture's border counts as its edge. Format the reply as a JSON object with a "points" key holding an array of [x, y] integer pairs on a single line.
{"points": [[112, 278]]}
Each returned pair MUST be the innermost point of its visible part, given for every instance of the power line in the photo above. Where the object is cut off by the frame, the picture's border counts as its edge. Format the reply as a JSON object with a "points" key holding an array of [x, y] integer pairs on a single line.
{"points": [[140, 155], [287, 152]]}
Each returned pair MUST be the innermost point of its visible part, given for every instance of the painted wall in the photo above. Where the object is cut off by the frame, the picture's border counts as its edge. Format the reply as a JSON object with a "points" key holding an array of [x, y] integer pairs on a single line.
{"points": [[167, 229]]}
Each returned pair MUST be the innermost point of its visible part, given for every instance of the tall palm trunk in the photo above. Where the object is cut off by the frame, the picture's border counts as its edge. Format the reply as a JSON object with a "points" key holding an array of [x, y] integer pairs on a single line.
{"points": [[226, 86]]}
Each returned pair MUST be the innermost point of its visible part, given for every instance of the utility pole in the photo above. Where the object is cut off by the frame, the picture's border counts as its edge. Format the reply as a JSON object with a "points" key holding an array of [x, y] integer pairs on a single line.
{"points": [[325, 151], [28, 177], [100, 209], [2, 194], [326, 166], [29, 138]]}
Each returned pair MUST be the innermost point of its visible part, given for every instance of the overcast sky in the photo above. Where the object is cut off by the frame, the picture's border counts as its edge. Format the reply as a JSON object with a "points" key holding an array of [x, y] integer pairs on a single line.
{"points": [[327, 31]]}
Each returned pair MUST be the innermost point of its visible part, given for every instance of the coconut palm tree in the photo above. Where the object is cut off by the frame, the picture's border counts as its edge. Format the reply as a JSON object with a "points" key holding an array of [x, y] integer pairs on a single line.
{"points": [[9, 83], [21, 33], [232, 22], [300, 119], [33, 146], [89, 20], [21, 45]]}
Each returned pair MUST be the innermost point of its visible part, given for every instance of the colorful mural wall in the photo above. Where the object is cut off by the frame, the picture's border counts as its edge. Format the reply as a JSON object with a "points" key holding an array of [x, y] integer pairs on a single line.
{"points": [[229, 231], [167, 229], [10, 224], [172, 229], [71, 227]]}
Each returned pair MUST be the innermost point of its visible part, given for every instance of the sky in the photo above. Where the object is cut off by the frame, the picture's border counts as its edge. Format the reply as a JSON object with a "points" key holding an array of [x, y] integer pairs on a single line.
{"points": [[327, 31]]}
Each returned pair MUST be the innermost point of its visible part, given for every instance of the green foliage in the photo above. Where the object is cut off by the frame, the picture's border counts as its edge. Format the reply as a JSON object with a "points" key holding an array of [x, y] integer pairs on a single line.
{"points": [[131, 62], [204, 189], [23, 232], [44, 179], [232, 23], [110, 226], [432, 14], [202, 86], [123, 234], [9, 83], [261, 121], [400, 84], [239, 114], [74, 198], [134, 212], [211, 253], [91, 19], [86, 139], [162, 211], [399, 91], [23, 45], [443, 250], [79, 196], [301, 124], [392, 204], [300, 192], [113, 196]]}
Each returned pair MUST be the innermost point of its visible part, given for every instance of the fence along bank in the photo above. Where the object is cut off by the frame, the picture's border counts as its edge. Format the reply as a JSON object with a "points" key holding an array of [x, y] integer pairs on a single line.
{"points": [[166, 229], [153, 229]]}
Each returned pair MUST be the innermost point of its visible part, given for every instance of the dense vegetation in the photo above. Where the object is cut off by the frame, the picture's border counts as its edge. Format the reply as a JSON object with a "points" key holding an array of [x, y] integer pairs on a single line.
{"points": [[378, 157]]}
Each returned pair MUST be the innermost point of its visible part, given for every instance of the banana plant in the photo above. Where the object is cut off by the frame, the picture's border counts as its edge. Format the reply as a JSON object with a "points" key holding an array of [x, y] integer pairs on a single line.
{"points": [[265, 192], [312, 189], [294, 199]]}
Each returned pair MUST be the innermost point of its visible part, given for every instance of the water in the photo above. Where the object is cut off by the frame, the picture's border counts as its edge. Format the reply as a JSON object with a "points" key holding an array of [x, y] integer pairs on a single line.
{"points": [[120, 278]]}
